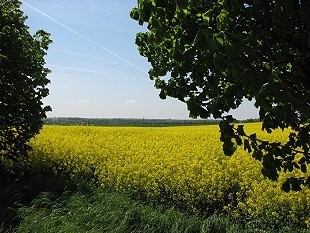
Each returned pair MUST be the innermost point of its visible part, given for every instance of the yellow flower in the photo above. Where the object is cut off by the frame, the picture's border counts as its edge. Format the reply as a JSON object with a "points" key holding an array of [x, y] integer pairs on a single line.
{"points": [[181, 164]]}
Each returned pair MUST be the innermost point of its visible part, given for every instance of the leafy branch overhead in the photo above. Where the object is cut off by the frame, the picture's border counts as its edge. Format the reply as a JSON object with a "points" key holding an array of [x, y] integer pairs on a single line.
{"points": [[218, 53]]}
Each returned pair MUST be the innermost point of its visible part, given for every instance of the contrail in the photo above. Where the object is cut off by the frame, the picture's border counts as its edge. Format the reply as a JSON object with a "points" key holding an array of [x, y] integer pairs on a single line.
{"points": [[83, 36], [76, 69]]}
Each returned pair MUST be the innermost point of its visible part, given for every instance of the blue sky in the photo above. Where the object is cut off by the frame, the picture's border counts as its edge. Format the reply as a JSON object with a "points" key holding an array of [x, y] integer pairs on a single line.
{"points": [[96, 68]]}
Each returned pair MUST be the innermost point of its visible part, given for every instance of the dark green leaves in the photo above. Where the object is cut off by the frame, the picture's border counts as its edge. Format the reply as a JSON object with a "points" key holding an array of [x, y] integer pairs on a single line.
{"points": [[293, 184], [247, 146], [163, 94], [222, 20], [24, 79], [182, 4], [134, 14], [220, 62], [141, 38], [257, 154], [240, 130], [145, 10], [303, 164], [229, 147], [227, 134], [220, 52]]}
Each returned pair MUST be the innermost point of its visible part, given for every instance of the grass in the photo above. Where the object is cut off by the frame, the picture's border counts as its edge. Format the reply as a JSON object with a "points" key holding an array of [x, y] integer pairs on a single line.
{"points": [[98, 210], [40, 201]]}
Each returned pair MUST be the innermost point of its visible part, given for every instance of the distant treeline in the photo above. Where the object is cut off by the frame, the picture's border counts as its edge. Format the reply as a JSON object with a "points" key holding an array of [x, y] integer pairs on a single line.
{"points": [[130, 121]]}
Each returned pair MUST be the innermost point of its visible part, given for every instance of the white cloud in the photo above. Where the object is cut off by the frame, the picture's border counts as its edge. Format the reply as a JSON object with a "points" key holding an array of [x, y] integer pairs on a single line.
{"points": [[130, 101], [84, 101]]}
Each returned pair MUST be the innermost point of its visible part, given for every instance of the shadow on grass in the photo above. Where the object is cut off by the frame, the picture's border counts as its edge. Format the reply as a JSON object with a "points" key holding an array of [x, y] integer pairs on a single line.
{"points": [[20, 186], [57, 203]]}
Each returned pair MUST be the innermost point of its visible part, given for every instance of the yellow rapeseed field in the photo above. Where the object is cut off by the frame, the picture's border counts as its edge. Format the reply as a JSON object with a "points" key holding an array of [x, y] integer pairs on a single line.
{"points": [[180, 165]]}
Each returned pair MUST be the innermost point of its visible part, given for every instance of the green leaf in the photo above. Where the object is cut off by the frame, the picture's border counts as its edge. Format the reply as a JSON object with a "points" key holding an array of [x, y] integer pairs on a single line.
{"points": [[240, 130], [253, 137], [246, 145], [218, 40], [163, 94], [229, 148], [145, 10], [286, 186], [257, 154], [134, 13], [270, 173], [201, 39], [303, 167], [2, 57], [238, 140], [302, 160], [205, 19], [222, 20], [219, 62], [295, 184], [182, 4], [289, 166], [141, 38], [267, 65]]}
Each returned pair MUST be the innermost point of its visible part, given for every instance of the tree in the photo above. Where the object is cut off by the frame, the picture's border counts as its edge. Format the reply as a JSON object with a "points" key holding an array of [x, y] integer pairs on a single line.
{"points": [[23, 80], [219, 52]]}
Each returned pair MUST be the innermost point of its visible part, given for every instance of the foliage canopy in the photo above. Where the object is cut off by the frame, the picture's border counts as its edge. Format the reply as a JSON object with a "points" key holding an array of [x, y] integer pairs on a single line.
{"points": [[214, 54], [23, 80]]}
